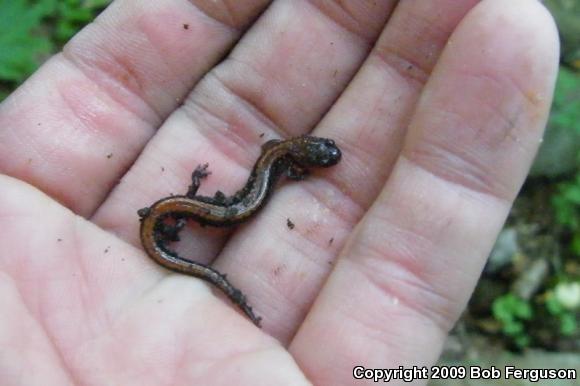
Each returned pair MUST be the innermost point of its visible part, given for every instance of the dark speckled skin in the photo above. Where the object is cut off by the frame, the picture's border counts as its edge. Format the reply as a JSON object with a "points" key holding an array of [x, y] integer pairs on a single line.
{"points": [[292, 157]]}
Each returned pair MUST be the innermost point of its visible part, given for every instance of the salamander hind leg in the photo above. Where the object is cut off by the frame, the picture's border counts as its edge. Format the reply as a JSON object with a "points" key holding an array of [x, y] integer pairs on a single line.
{"points": [[170, 232], [198, 174]]}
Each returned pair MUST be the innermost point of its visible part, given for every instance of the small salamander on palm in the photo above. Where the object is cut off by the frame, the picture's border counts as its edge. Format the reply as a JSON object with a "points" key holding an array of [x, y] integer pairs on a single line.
{"points": [[292, 157]]}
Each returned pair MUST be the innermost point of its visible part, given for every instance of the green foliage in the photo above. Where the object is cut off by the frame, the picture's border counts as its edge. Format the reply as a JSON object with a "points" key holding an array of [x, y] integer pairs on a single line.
{"points": [[566, 317], [566, 113], [32, 30], [21, 41], [512, 312], [72, 15], [523, 321], [566, 105], [566, 203], [555, 310]]}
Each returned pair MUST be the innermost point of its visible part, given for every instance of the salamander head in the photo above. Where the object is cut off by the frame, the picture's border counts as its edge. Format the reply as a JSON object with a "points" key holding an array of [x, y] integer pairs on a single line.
{"points": [[315, 151]]}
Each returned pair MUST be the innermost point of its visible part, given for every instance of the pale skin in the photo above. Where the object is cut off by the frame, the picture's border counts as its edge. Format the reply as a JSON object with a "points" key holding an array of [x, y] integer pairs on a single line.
{"points": [[438, 107]]}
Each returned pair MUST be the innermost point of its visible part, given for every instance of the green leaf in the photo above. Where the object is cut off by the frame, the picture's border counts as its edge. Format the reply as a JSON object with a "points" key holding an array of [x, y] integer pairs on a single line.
{"points": [[553, 305], [575, 244], [514, 328], [524, 311], [72, 15], [568, 324], [21, 43], [566, 105], [522, 341]]}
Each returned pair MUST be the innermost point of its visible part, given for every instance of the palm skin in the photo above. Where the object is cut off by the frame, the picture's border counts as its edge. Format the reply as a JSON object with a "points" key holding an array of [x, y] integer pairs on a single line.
{"points": [[437, 106]]}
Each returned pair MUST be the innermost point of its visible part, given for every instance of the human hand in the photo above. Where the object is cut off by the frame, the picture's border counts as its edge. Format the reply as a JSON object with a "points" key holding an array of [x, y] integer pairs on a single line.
{"points": [[438, 108]]}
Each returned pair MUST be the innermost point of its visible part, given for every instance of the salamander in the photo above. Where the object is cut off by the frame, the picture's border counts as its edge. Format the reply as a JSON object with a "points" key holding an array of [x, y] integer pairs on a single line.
{"points": [[162, 221]]}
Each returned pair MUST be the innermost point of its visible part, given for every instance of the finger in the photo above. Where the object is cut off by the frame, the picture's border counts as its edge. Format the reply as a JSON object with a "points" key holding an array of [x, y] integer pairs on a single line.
{"points": [[284, 273], [412, 263], [279, 80], [75, 126]]}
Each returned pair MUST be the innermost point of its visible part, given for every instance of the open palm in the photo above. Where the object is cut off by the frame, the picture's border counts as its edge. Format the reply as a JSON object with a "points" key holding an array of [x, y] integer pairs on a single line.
{"points": [[438, 107]]}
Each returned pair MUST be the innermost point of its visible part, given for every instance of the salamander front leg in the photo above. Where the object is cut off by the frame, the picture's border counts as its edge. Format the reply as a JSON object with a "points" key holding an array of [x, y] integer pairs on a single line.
{"points": [[198, 174], [296, 172]]}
